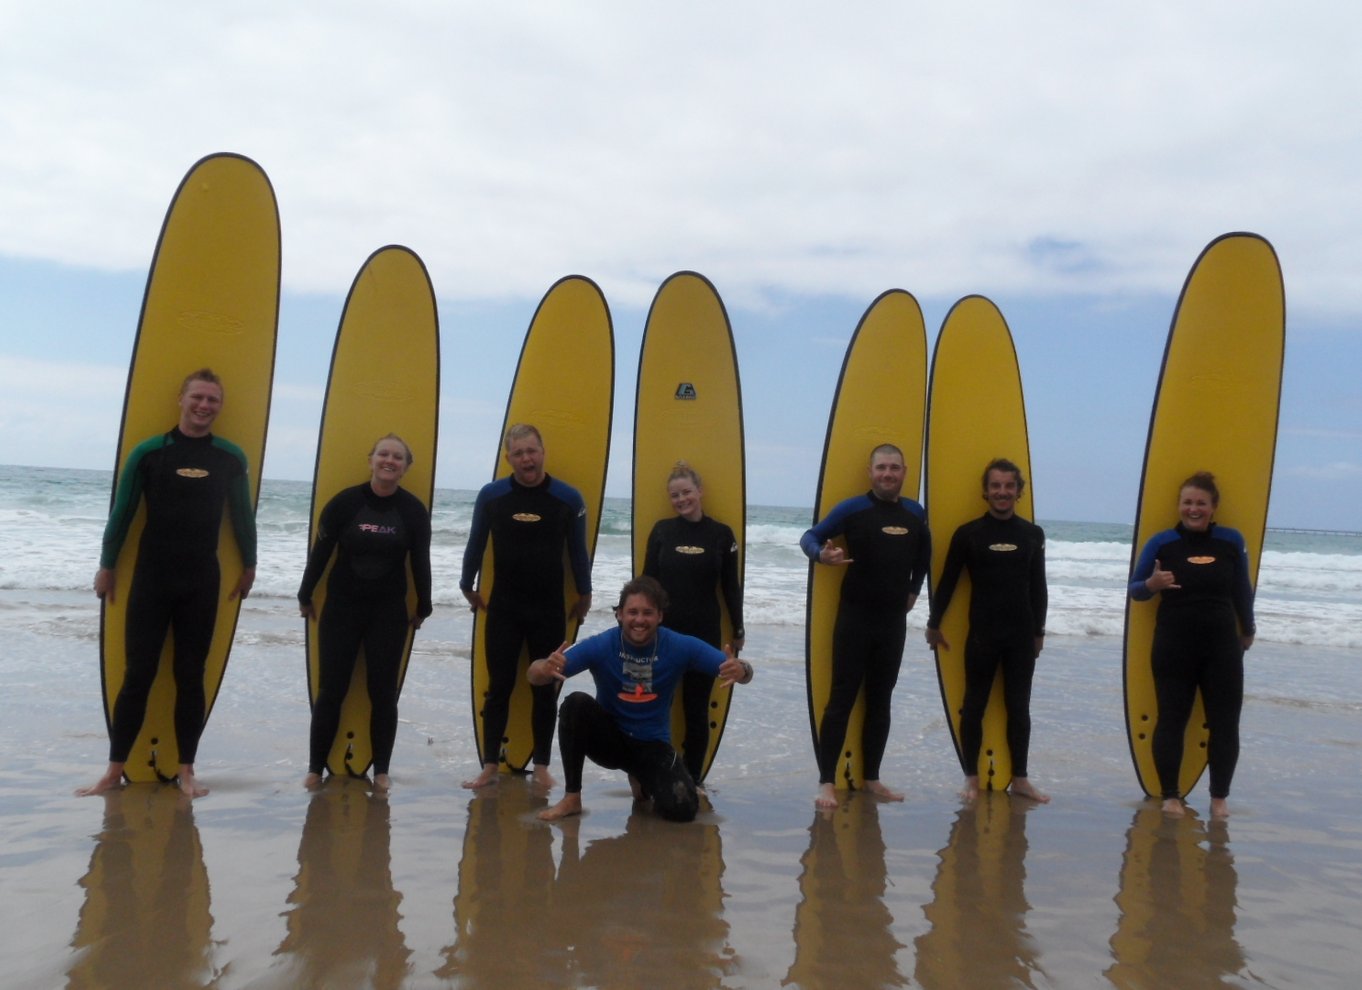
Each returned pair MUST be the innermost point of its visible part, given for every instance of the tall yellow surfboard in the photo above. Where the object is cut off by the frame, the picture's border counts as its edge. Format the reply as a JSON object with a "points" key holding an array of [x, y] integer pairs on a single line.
{"points": [[212, 300], [880, 398], [385, 378], [565, 386], [975, 413], [688, 406], [1215, 410]]}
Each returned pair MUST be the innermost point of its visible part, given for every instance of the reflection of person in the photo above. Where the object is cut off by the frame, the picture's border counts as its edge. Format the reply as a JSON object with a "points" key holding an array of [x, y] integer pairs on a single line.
{"points": [[1200, 571], [372, 529], [530, 518], [627, 725], [187, 476], [888, 551], [1005, 557], [691, 554]]}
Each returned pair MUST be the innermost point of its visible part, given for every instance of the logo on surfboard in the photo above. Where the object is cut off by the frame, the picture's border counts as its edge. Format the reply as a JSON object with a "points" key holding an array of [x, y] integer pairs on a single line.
{"points": [[686, 390]]}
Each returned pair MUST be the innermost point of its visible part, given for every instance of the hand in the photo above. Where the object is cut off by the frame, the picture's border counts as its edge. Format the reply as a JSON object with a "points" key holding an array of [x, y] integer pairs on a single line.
{"points": [[934, 639], [581, 609], [475, 600], [1161, 579], [416, 621], [1245, 642], [834, 555], [550, 668], [732, 670], [308, 611], [243, 587], [1040, 644], [736, 644], [104, 584]]}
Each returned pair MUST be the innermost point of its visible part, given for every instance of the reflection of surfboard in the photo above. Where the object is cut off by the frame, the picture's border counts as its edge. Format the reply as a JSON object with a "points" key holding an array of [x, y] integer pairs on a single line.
{"points": [[565, 386], [975, 414], [1215, 410], [689, 407], [212, 299], [879, 399], [385, 378]]}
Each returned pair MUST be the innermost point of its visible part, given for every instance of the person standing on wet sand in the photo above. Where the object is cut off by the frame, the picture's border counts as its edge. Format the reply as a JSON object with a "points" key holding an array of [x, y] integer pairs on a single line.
{"points": [[188, 476], [530, 518], [627, 725], [888, 552], [1005, 557]]}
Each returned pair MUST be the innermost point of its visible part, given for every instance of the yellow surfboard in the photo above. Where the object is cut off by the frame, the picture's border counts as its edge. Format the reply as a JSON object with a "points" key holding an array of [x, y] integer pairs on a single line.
{"points": [[689, 407], [1215, 410], [975, 413], [385, 378], [564, 385], [880, 398], [212, 300]]}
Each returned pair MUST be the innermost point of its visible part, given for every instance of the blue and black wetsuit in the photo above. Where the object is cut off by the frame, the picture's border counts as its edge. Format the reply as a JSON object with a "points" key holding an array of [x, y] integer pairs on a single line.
{"points": [[1008, 602], [372, 537], [186, 481], [1197, 644], [529, 529], [891, 551], [691, 560]]}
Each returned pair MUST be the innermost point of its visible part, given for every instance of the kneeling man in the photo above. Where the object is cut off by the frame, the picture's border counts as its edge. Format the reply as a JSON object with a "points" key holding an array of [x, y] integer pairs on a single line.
{"points": [[627, 725]]}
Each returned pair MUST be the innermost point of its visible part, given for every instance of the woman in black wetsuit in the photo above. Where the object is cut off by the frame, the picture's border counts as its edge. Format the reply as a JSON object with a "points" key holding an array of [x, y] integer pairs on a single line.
{"points": [[373, 529], [1200, 571], [691, 555]]}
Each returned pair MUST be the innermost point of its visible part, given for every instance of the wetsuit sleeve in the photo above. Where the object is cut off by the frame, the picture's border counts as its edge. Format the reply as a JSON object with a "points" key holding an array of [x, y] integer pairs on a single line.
{"points": [[950, 577], [1144, 567], [1243, 588], [730, 583], [653, 552], [328, 532], [242, 511], [126, 497], [578, 555], [828, 527], [1040, 592], [418, 523], [478, 531]]}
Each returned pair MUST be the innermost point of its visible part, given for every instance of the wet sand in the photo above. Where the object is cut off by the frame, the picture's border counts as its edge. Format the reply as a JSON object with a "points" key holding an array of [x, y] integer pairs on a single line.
{"points": [[261, 884]]}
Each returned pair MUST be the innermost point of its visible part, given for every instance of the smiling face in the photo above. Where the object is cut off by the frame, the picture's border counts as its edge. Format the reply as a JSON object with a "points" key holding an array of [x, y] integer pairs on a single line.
{"points": [[1001, 489], [639, 618], [525, 455], [200, 402], [887, 474], [1196, 508], [388, 462], [685, 496]]}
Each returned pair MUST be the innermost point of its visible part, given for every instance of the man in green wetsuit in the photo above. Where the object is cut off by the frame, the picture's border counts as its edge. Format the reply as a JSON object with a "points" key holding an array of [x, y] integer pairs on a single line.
{"points": [[187, 476]]}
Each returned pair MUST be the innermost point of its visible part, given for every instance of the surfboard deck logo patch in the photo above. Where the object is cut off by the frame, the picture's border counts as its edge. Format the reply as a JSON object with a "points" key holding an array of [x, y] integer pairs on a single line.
{"points": [[686, 390]]}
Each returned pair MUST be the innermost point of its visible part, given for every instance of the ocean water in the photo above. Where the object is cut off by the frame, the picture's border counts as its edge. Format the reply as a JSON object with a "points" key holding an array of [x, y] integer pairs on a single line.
{"points": [[1309, 589]]}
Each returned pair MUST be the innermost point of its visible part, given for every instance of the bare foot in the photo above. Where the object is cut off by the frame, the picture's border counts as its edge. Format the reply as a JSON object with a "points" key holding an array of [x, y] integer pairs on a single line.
{"points": [[484, 779], [1024, 788], [112, 780], [827, 797], [1173, 808], [543, 778], [570, 805], [313, 781], [189, 784], [970, 792], [1220, 808], [382, 783], [880, 791], [636, 789]]}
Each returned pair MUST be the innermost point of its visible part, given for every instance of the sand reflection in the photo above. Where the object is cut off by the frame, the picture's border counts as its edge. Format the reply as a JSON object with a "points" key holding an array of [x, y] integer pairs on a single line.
{"points": [[978, 911], [843, 932], [145, 921], [342, 927], [1177, 901]]}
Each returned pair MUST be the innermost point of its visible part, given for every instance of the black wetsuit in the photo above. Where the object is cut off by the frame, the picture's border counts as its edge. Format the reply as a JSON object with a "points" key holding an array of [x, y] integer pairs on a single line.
{"points": [[1008, 601], [1197, 644], [372, 536], [187, 481], [891, 551], [690, 560], [529, 528]]}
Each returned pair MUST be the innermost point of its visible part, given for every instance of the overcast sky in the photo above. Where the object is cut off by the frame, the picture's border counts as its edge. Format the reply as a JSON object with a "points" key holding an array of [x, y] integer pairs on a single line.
{"points": [[1067, 159]]}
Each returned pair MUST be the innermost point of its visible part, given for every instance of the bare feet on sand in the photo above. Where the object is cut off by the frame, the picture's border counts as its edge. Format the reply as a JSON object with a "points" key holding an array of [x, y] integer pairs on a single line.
{"points": [[570, 805], [970, 792], [1022, 787], [1220, 808], [112, 780], [636, 789], [1174, 807], [189, 784], [827, 797], [313, 781], [880, 791], [487, 778], [543, 778], [382, 783]]}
